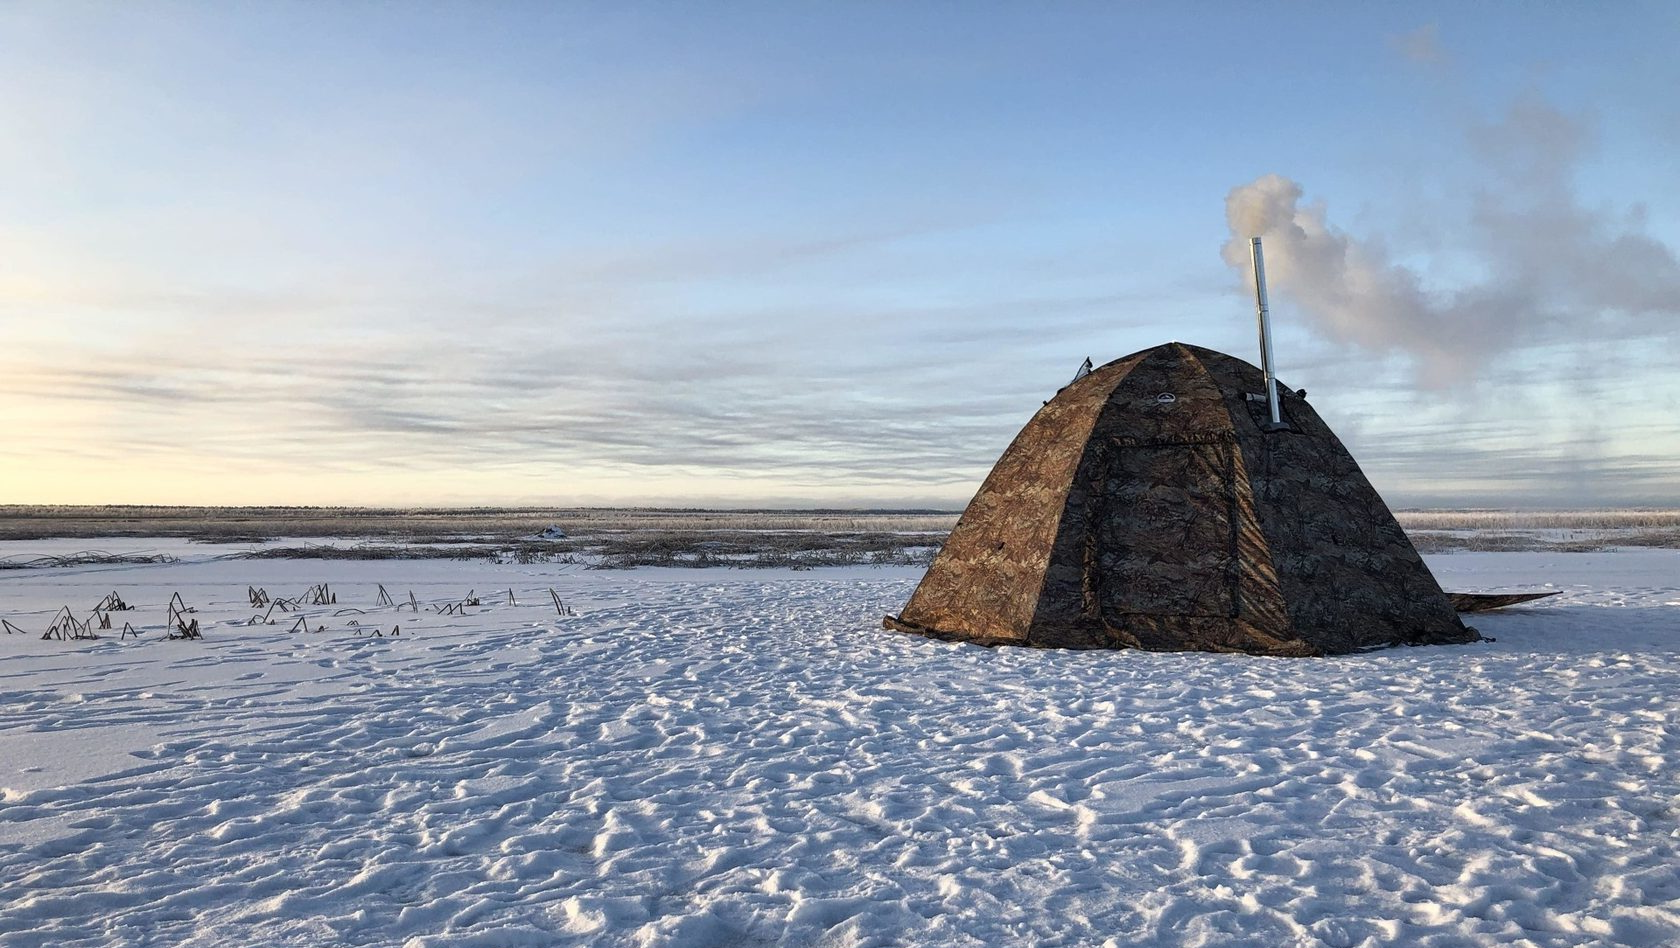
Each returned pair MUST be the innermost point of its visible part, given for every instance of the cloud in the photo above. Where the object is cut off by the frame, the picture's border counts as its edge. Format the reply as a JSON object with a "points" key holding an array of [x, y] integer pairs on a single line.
{"points": [[588, 402], [1550, 267], [1422, 45]]}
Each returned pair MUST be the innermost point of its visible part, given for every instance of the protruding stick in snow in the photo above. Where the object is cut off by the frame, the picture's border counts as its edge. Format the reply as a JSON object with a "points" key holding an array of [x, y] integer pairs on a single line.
{"points": [[560, 608]]}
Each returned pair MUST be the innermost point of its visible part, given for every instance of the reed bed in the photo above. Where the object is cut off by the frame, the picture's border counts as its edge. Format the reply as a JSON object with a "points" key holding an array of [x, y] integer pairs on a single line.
{"points": [[84, 558]]}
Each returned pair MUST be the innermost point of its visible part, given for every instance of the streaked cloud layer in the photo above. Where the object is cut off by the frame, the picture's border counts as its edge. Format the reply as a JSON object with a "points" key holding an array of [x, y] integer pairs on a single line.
{"points": [[775, 255]]}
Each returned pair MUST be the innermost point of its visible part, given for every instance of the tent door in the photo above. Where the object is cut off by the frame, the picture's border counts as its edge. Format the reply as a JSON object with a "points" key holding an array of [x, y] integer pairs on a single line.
{"points": [[1167, 544]]}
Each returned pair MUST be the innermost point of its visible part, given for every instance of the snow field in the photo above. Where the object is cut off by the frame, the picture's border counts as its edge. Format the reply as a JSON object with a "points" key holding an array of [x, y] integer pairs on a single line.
{"points": [[707, 758]]}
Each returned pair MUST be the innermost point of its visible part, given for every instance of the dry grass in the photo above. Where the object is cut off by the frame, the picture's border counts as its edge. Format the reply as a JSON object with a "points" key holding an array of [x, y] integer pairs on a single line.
{"points": [[85, 558], [612, 538], [608, 538], [739, 549], [759, 549], [1507, 520], [516, 553], [436, 525], [1576, 542], [1558, 531]]}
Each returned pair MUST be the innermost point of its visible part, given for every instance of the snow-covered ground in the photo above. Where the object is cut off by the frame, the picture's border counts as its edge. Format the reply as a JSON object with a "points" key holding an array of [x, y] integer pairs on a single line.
{"points": [[710, 758]]}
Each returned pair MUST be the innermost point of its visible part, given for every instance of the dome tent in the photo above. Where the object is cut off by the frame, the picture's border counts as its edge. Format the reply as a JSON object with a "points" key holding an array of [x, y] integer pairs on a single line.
{"points": [[1150, 504]]}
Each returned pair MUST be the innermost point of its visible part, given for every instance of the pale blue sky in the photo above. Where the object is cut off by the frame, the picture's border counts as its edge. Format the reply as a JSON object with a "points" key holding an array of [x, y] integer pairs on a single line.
{"points": [[814, 253]]}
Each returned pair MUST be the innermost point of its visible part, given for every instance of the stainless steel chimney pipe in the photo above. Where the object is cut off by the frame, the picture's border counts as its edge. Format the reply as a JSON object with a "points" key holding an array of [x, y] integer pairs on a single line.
{"points": [[1265, 318]]}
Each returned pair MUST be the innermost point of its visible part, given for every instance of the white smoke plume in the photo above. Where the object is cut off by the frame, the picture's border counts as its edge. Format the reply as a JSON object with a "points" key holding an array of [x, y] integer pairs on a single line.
{"points": [[1549, 265]]}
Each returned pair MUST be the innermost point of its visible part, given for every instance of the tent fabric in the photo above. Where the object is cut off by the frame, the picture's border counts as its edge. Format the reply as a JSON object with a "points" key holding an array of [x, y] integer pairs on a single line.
{"points": [[1148, 506], [1487, 602]]}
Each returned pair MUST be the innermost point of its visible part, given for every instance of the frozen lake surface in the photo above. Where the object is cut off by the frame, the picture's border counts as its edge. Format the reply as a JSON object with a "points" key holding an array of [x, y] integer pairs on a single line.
{"points": [[720, 757]]}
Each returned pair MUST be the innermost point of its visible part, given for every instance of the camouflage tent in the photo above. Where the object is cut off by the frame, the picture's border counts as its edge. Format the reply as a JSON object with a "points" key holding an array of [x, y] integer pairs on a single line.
{"points": [[1148, 505]]}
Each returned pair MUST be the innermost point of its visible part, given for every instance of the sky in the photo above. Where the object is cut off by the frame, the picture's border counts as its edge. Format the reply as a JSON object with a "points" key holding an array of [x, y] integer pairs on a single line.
{"points": [[818, 254]]}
